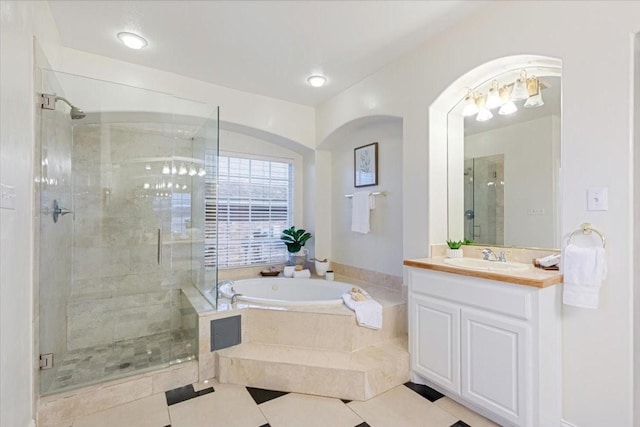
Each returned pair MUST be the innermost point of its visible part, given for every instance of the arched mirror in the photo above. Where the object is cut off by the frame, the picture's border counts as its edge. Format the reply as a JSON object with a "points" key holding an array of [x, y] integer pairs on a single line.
{"points": [[504, 159]]}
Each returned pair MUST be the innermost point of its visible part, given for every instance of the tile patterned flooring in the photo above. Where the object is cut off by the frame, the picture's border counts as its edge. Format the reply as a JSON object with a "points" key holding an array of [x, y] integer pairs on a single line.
{"points": [[92, 364], [230, 405]]}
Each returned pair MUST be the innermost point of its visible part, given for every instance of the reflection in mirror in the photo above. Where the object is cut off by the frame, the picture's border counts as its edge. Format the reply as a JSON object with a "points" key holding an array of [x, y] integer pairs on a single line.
{"points": [[504, 159]]}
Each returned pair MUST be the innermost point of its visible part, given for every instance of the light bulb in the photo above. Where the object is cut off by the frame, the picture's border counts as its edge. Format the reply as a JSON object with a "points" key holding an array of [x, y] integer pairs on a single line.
{"points": [[483, 115], [493, 98], [146, 186], [182, 170], [174, 170], [192, 171], [165, 169], [534, 101], [132, 41], [317, 80], [201, 172], [483, 112], [520, 88], [507, 108], [147, 167], [470, 108]]}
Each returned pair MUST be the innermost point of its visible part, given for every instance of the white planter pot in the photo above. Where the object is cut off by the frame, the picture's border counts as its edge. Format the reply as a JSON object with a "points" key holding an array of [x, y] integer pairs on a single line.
{"points": [[455, 253]]}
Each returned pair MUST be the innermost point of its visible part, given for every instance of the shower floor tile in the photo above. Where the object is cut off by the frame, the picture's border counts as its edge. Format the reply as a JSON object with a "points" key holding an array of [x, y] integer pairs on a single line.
{"points": [[98, 363]]}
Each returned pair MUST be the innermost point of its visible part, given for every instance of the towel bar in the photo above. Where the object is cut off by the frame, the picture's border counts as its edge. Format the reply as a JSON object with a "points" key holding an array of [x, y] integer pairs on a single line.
{"points": [[375, 193], [586, 228]]}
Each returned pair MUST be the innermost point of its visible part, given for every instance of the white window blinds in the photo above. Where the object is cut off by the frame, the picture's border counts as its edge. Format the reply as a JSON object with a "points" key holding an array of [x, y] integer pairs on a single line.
{"points": [[254, 204]]}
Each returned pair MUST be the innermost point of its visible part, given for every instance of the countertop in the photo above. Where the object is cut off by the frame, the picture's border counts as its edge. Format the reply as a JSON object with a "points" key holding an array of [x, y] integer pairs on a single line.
{"points": [[533, 277]]}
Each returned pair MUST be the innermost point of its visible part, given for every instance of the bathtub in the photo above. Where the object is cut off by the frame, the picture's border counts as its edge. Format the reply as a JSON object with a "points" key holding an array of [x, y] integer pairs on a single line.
{"points": [[285, 291]]}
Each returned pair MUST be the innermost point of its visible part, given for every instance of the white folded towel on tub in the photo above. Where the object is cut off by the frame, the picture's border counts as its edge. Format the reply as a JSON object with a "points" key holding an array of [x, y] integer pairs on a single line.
{"points": [[368, 312], [584, 269], [302, 274]]}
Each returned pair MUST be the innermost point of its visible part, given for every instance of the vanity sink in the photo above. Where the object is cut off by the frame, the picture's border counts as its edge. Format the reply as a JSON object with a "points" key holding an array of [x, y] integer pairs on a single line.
{"points": [[481, 264]]}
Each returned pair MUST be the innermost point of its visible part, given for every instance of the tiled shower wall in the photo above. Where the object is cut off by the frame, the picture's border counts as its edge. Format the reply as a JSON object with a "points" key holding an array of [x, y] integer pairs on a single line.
{"points": [[119, 290]]}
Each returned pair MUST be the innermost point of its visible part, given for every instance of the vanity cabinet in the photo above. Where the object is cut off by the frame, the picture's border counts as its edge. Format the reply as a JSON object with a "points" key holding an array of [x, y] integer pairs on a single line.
{"points": [[490, 345]]}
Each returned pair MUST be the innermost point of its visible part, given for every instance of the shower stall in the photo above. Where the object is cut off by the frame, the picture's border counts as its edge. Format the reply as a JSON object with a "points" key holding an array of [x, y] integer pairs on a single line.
{"points": [[484, 199], [123, 179]]}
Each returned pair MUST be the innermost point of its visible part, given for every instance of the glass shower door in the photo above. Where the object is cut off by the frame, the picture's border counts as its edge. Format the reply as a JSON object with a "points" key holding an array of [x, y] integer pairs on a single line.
{"points": [[112, 272]]}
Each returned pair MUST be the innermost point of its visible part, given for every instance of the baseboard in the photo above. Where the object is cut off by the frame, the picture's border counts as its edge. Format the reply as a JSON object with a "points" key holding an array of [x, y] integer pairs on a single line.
{"points": [[567, 424]]}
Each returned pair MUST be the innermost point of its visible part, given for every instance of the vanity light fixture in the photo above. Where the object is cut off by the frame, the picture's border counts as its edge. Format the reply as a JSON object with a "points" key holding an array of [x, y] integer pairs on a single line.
{"points": [[317, 80], [520, 88], [469, 108], [493, 97], [132, 41], [508, 106], [192, 171], [202, 172], [535, 93], [165, 169], [524, 88], [182, 170], [483, 112]]}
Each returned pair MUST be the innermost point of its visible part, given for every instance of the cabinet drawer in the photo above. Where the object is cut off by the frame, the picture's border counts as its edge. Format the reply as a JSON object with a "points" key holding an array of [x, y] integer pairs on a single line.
{"points": [[508, 299]]}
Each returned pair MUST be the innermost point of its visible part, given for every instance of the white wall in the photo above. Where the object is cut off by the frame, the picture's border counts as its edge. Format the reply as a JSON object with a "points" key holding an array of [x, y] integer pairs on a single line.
{"points": [[636, 225], [528, 177], [292, 121], [381, 249], [593, 41], [19, 23]]}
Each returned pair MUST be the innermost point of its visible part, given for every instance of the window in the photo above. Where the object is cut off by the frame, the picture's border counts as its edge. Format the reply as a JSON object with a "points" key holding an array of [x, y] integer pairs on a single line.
{"points": [[254, 204]]}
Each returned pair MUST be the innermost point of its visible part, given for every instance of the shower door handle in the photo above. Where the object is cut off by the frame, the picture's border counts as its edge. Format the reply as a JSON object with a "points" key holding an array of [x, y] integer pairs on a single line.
{"points": [[159, 246]]}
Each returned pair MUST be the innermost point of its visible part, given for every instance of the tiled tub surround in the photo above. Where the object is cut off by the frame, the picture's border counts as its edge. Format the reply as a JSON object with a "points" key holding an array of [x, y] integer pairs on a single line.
{"points": [[312, 350]]}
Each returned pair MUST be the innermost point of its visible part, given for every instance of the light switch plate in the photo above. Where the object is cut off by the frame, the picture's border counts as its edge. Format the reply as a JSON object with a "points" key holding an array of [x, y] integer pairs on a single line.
{"points": [[597, 199], [7, 197]]}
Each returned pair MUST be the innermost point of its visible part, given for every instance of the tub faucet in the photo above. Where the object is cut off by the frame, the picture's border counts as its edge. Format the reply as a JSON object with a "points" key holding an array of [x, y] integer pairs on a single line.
{"points": [[234, 298], [489, 255], [224, 282]]}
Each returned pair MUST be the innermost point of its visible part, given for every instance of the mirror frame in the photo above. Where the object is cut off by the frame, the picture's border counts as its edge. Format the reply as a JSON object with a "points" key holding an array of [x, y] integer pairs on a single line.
{"points": [[440, 126]]}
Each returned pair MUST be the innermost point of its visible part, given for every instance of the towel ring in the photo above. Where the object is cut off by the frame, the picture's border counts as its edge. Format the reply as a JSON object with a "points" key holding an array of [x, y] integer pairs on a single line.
{"points": [[586, 228]]}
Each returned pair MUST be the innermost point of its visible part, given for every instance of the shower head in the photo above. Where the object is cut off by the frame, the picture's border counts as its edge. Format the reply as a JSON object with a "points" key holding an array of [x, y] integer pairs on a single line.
{"points": [[76, 113]]}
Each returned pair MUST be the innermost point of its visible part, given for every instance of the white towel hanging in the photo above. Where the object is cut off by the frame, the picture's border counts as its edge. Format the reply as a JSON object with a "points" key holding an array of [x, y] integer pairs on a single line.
{"points": [[362, 204]]}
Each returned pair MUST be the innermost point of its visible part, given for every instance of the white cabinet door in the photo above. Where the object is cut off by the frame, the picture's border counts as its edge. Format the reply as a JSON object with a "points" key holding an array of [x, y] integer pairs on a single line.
{"points": [[495, 352], [436, 345]]}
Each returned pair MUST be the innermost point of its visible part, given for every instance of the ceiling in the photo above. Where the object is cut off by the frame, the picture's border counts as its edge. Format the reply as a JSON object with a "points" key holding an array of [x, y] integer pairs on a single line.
{"points": [[262, 47]]}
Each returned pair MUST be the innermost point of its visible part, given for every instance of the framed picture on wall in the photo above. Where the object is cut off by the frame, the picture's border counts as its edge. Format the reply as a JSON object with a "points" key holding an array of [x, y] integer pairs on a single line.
{"points": [[365, 165]]}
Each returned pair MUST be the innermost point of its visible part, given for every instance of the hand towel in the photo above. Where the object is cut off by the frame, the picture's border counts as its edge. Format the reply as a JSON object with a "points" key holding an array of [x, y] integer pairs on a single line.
{"points": [[302, 274], [584, 269], [363, 202], [368, 312]]}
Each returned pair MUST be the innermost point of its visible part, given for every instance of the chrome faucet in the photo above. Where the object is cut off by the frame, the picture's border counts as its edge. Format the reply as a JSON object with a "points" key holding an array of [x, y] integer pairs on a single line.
{"points": [[489, 255], [234, 298], [224, 282]]}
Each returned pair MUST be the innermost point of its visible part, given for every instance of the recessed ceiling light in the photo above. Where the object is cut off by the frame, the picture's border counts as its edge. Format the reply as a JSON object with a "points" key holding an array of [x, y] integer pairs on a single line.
{"points": [[317, 80], [132, 41]]}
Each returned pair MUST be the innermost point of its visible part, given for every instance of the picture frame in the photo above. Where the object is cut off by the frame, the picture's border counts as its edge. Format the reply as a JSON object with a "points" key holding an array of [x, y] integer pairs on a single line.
{"points": [[365, 165]]}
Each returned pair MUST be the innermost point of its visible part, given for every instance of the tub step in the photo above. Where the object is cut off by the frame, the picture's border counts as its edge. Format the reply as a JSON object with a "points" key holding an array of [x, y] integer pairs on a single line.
{"points": [[357, 375]]}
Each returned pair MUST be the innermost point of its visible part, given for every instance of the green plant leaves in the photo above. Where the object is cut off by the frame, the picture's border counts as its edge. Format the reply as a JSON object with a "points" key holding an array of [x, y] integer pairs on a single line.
{"points": [[294, 239]]}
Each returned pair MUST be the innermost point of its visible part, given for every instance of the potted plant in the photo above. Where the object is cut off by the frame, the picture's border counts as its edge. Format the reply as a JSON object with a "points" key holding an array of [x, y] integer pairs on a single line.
{"points": [[295, 240], [454, 250]]}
